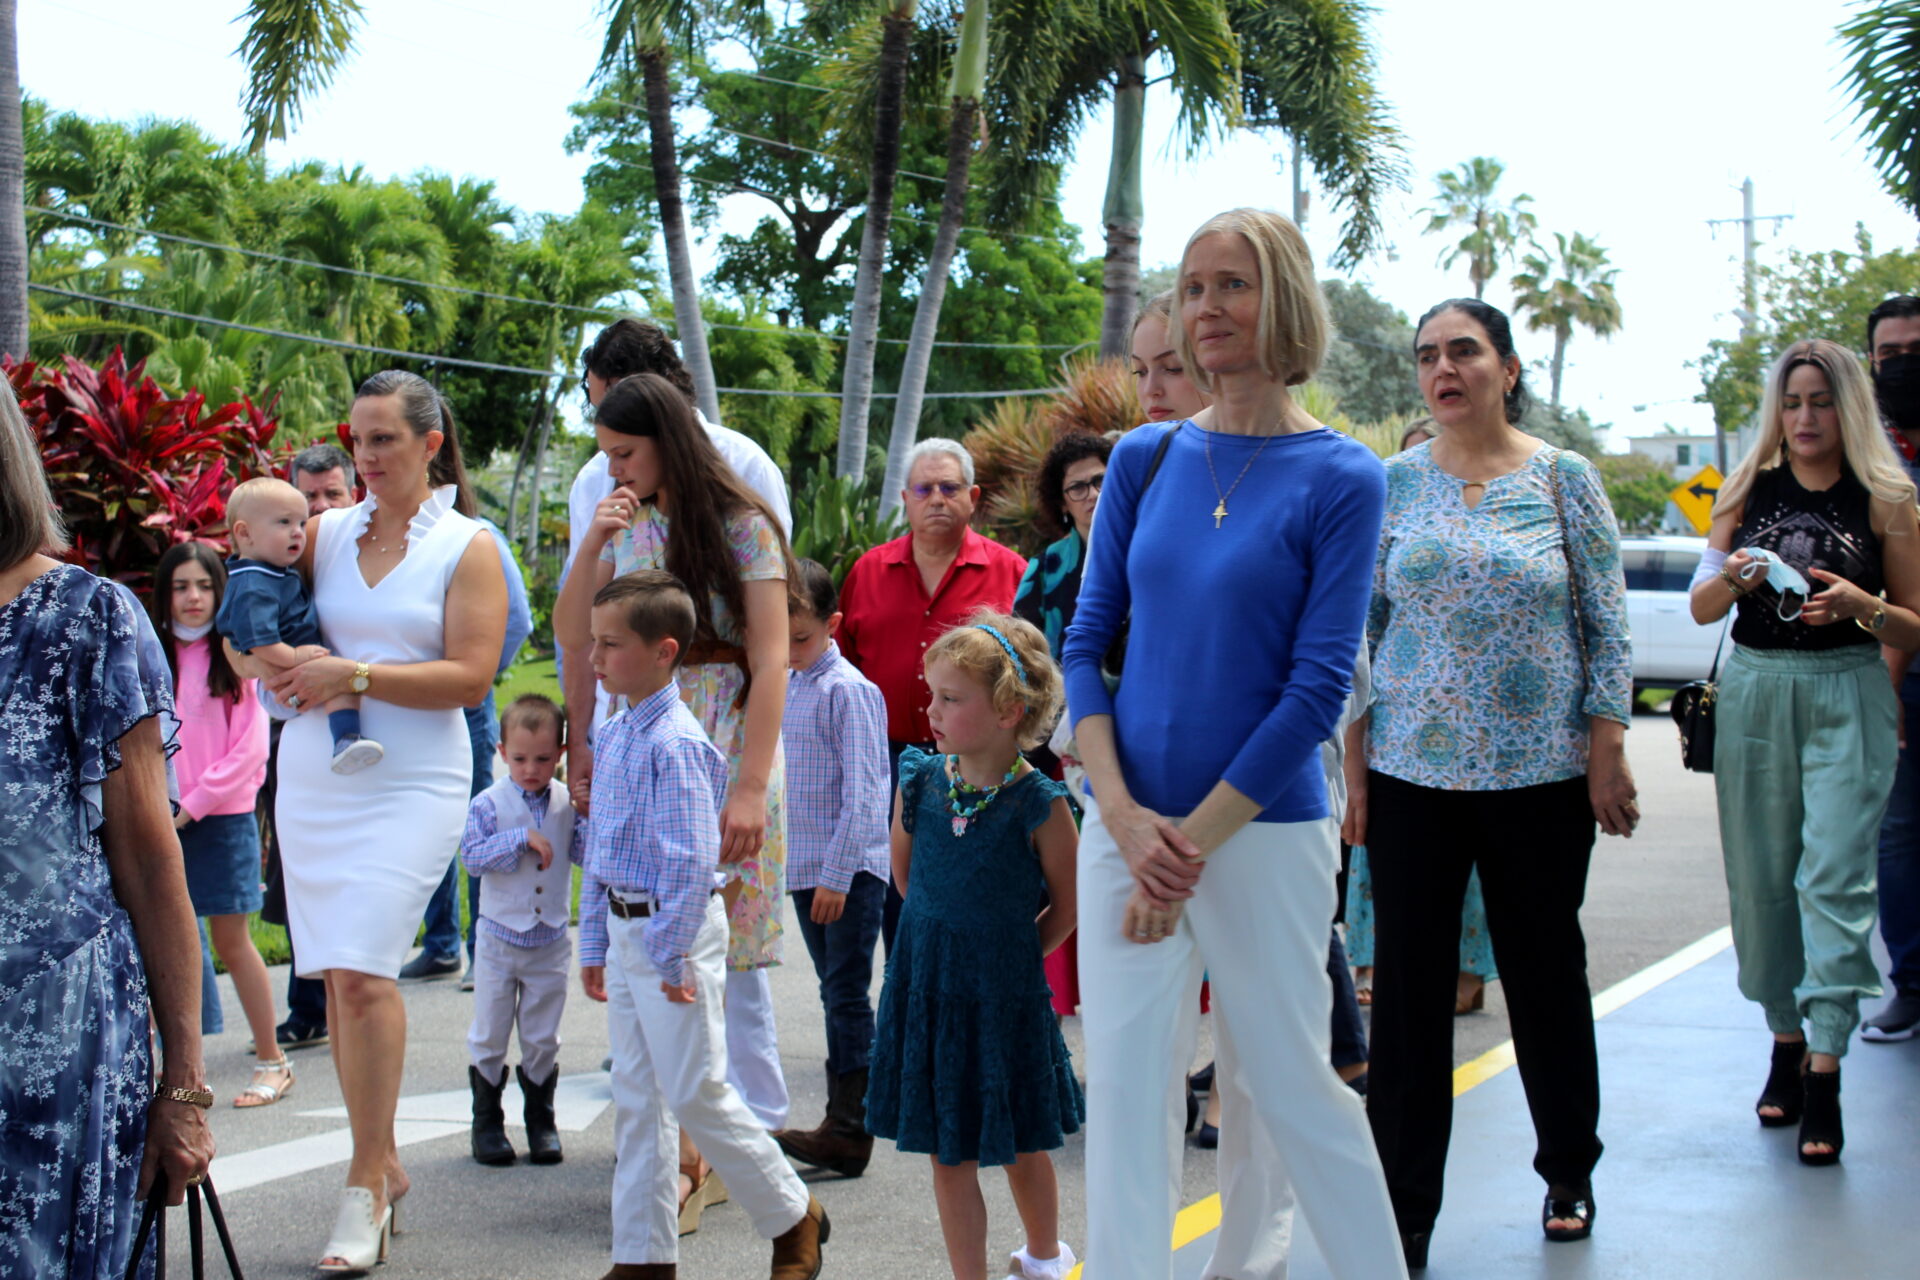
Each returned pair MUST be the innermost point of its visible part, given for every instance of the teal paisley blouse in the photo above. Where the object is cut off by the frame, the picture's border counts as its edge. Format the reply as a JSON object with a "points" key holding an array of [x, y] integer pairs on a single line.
{"points": [[1477, 669]]}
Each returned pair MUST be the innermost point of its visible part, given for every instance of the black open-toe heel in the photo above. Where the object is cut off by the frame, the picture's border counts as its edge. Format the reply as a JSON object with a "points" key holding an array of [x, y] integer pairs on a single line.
{"points": [[1783, 1085], [1821, 1123], [1414, 1245], [1568, 1202]]}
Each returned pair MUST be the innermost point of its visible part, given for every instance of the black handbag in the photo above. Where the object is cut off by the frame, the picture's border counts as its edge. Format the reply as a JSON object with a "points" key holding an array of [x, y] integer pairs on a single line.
{"points": [[1692, 712], [154, 1221]]}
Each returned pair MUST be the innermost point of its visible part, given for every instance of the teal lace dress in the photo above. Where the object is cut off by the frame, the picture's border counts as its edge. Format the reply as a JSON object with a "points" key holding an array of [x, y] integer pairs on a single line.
{"points": [[968, 1063]]}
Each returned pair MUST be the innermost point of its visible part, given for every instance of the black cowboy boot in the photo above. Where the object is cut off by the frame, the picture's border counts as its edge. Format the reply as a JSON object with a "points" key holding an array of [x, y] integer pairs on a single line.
{"points": [[543, 1137], [490, 1145]]}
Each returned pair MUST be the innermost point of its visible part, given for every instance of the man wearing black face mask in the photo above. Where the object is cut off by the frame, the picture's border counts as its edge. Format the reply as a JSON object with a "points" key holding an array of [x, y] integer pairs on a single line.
{"points": [[1893, 346]]}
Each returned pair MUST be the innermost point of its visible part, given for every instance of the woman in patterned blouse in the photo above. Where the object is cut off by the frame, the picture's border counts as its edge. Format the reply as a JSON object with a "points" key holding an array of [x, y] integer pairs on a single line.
{"points": [[1502, 690]]}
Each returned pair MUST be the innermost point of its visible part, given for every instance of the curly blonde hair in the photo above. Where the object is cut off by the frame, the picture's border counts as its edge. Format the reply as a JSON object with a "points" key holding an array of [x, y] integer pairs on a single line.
{"points": [[976, 652]]}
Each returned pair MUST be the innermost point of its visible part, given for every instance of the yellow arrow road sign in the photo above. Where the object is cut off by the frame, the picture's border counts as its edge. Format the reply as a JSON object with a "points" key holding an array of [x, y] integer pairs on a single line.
{"points": [[1695, 497]]}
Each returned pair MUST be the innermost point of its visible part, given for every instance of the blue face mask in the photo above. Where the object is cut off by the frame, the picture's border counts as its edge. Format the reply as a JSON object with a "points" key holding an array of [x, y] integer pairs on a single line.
{"points": [[1786, 581]]}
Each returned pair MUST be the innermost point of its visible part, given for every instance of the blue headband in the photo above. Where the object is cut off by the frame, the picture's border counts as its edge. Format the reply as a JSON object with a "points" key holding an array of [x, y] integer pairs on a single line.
{"points": [[1019, 667]]}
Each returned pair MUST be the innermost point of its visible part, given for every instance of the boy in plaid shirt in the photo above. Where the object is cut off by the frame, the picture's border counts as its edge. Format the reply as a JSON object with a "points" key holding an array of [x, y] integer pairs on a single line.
{"points": [[653, 944], [838, 856]]}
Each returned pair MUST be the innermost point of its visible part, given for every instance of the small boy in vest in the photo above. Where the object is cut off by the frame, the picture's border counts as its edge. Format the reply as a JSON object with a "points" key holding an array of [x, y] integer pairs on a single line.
{"points": [[520, 837]]}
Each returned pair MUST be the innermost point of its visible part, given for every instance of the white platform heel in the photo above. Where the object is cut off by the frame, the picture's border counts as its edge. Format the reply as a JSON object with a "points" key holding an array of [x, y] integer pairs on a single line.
{"points": [[359, 1241]]}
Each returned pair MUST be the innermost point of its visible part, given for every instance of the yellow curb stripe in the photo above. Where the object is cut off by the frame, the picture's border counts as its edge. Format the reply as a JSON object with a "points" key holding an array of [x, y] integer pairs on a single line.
{"points": [[1203, 1216]]}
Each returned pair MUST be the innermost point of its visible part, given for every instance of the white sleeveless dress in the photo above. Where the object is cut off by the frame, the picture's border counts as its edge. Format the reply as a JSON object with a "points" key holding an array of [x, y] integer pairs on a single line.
{"points": [[363, 853]]}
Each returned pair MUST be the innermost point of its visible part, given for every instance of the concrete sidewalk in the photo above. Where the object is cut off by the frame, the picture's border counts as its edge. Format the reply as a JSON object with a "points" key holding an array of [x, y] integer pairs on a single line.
{"points": [[1691, 1185]]}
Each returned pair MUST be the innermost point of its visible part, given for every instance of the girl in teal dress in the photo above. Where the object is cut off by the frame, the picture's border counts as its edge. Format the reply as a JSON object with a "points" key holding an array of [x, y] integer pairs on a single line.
{"points": [[968, 1063]]}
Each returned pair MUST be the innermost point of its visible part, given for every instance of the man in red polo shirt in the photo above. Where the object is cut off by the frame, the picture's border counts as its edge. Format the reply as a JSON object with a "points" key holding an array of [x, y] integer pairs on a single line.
{"points": [[900, 596]]}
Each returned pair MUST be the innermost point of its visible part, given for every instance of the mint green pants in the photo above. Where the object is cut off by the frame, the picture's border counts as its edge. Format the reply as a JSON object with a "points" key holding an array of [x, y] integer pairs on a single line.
{"points": [[1804, 751]]}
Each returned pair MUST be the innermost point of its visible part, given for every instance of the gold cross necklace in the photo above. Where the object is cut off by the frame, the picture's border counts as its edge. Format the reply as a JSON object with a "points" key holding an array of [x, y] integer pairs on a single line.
{"points": [[1219, 511]]}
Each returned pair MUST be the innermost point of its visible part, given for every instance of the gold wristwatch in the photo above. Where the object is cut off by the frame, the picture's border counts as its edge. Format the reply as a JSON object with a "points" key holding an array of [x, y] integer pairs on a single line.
{"points": [[201, 1098], [362, 677], [1877, 623]]}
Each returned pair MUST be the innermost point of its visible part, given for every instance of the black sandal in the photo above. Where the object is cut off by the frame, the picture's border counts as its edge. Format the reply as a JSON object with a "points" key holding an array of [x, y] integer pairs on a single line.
{"points": [[1568, 1202], [1821, 1123], [1784, 1089]]}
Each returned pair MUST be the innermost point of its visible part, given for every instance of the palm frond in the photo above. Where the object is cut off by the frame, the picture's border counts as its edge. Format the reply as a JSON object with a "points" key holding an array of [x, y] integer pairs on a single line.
{"points": [[1884, 81], [291, 50]]}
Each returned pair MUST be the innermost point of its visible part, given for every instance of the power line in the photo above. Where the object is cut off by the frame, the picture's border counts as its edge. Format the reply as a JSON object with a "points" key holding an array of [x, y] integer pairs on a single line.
{"points": [[67, 216], [486, 366], [791, 146]]}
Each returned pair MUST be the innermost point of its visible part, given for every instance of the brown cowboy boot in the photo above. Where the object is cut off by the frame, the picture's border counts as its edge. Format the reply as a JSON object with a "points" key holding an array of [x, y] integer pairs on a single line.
{"points": [[796, 1252], [815, 1134], [643, 1271], [842, 1144]]}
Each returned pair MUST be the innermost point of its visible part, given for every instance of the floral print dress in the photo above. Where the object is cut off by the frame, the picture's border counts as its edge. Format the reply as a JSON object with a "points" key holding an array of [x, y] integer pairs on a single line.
{"points": [[711, 691], [80, 666]]}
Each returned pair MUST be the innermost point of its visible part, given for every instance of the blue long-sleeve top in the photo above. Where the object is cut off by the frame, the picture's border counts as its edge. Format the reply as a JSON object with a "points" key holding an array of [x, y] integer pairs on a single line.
{"points": [[1240, 652]]}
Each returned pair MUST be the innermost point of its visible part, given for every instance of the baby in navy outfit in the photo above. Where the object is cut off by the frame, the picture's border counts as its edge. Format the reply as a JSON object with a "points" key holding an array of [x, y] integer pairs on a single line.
{"points": [[267, 610]]}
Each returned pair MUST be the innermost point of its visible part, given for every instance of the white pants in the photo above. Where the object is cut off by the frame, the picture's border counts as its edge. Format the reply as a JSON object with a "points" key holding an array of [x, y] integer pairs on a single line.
{"points": [[670, 1069], [524, 985], [1257, 924], [753, 1047]]}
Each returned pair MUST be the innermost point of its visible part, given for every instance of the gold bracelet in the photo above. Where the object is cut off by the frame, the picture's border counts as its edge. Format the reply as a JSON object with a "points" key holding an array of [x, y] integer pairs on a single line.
{"points": [[1733, 584]]}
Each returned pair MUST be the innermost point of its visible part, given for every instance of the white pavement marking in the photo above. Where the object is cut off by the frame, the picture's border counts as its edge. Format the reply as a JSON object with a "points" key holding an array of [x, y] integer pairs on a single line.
{"points": [[577, 1103], [303, 1155]]}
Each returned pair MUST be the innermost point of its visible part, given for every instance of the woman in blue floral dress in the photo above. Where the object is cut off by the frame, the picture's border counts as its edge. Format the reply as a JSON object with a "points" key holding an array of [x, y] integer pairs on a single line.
{"points": [[94, 917]]}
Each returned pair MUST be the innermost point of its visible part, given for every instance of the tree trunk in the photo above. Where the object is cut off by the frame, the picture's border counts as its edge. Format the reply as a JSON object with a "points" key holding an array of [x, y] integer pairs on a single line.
{"points": [[863, 329], [1125, 208], [13, 187], [539, 461], [1560, 337], [673, 229], [525, 453], [1483, 256], [933, 290]]}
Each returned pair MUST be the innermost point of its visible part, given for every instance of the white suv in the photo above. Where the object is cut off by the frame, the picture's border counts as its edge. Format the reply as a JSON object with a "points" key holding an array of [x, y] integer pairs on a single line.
{"points": [[1669, 647]]}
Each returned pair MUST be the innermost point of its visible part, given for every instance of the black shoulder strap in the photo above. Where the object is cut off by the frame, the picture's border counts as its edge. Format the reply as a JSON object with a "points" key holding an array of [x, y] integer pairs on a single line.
{"points": [[1159, 456]]}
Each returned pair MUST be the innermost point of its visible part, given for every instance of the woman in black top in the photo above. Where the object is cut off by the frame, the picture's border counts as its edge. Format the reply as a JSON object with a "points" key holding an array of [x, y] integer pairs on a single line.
{"points": [[1806, 737]]}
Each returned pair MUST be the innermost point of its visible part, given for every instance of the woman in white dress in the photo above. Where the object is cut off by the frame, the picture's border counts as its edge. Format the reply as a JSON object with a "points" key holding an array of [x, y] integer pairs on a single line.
{"points": [[412, 607]]}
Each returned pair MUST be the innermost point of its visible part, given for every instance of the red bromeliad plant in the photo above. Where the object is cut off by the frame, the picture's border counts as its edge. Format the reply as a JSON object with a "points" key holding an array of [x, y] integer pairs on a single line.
{"points": [[133, 470]]}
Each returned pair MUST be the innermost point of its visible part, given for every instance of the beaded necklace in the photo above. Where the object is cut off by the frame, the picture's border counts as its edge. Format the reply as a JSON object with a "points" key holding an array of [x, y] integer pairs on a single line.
{"points": [[956, 783]]}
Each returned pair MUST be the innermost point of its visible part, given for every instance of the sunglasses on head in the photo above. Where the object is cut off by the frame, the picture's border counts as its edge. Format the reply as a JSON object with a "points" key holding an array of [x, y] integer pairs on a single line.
{"points": [[947, 488]]}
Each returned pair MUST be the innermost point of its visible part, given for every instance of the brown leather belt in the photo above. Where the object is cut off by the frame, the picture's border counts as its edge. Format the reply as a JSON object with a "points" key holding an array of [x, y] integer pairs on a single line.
{"points": [[713, 653], [630, 910]]}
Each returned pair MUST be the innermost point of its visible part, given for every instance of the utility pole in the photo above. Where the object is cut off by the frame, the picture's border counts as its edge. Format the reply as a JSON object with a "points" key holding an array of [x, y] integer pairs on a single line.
{"points": [[1749, 310], [1299, 188]]}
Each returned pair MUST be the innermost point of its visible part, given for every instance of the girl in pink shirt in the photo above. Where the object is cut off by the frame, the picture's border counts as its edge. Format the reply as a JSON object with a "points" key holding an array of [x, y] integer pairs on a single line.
{"points": [[221, 766]]}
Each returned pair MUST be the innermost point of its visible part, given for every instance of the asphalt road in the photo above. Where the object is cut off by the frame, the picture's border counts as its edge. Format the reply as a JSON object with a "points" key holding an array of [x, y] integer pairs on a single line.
{"points": [[281, 1167]]}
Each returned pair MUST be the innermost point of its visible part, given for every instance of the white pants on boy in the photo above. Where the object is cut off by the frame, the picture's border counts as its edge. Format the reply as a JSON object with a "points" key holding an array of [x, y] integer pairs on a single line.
{"points": [[753, 1047], [527, 985], [670, 1069]]}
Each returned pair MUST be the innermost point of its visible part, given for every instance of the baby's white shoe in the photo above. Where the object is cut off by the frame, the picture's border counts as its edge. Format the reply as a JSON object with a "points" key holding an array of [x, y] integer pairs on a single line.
{"points": [[351, 755], [1024, 1266]]}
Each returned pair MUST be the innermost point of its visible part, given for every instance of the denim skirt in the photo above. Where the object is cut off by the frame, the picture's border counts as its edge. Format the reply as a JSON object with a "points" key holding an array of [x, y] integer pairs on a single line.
{"points": [[223, 864]]}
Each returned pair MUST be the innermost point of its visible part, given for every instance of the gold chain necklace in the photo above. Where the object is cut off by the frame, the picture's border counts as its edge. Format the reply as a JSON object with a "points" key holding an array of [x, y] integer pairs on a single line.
{"points": [[1219, 512]]}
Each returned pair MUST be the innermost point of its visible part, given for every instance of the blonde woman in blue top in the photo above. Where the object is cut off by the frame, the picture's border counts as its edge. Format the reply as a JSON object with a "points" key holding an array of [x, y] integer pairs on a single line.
{"points": [[1502, 692], [1244, 567]]}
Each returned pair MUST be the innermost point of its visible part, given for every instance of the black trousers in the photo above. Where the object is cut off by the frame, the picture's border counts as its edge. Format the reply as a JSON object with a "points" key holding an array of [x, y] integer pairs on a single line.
{"points": [[1533, 846]]}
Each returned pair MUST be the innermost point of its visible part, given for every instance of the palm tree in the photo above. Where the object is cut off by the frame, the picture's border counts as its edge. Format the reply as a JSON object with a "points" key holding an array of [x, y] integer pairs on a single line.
{"points": [[1581, 293], [642, 35], [1496, 228], [969, 83], [1884, 81], [13, 184], [863, 327]]}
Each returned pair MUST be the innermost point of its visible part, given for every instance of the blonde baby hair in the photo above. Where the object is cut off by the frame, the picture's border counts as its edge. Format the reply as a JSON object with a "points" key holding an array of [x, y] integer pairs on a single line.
{"points": [[1027, 676], [249, 494]]}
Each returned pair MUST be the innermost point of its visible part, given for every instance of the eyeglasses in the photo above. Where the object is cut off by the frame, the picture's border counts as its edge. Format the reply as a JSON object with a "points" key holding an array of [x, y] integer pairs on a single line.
{"points": [[1081, 490], [947, 488]]}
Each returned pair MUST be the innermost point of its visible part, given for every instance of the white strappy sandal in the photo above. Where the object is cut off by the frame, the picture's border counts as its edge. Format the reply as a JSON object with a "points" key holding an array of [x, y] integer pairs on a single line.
{"points": [[268, 1094], [359, 1242]]}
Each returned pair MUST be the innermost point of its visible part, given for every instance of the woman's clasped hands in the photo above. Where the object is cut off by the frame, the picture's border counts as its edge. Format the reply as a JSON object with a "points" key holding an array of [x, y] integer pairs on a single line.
{"points": [[1165, 865]]}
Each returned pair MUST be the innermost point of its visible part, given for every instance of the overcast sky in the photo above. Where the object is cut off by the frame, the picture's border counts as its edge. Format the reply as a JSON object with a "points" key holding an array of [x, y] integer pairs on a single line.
{"points": [[1633, 122]]}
